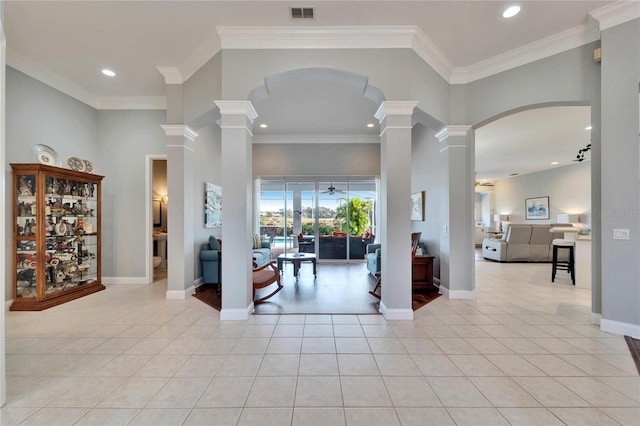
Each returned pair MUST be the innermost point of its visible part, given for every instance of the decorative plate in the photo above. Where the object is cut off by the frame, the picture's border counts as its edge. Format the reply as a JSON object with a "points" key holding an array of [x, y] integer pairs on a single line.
{"points": [[88, 166], [46, 155], [76, 164]]}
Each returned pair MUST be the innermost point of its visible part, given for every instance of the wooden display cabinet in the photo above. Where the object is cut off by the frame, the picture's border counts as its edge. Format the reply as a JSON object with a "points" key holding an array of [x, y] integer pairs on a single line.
{"points": [[56, 234]]}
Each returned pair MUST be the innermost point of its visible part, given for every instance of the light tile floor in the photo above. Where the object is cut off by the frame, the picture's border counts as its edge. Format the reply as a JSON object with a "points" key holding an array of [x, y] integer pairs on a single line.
{"points": [[523, 353]]}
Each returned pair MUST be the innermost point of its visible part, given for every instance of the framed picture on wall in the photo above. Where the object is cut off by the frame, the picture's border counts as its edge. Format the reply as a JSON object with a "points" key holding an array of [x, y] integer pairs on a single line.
{"points": [[536, 208], [417, 206], [212, 205]]}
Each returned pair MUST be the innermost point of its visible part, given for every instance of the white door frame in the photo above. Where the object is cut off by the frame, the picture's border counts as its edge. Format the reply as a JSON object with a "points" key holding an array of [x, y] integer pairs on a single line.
{"points": [[148, 274]]}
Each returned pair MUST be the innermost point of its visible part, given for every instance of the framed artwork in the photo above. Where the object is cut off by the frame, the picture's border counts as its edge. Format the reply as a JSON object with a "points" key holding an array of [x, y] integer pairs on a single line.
{"points": [[536, 208], [212, 205], [417, 206]]}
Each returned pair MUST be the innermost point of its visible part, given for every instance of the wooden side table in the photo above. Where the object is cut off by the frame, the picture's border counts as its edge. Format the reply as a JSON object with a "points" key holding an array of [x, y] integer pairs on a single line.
{"points": [[422, 272]]}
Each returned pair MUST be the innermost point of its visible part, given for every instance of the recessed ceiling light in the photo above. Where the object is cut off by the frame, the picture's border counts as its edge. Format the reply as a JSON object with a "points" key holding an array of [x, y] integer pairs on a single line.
{"points": [[108, 72], [588, 128], [370, 125], [511, 11], [263, 125], [553, 163]]}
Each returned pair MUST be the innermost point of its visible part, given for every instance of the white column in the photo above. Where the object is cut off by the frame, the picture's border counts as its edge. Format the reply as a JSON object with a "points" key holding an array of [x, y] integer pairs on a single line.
{"points": [[3, 176], [180, 229], [395, 208], [237, 224], [457, 267]]}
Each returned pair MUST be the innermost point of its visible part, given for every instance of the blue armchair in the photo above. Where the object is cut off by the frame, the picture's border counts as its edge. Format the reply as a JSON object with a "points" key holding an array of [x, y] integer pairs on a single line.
{"points": [[373, 258], [210, 259]]}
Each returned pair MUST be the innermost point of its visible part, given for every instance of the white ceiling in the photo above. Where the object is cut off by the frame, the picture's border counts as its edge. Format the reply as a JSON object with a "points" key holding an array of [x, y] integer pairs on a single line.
{"points": [[67, 43]]}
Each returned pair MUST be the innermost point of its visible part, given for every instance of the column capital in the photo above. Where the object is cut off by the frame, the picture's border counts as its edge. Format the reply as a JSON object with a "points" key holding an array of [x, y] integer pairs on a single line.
{"points": [[395, 108], [237, 108], [171, 75], [179, 130], [452, 130]]}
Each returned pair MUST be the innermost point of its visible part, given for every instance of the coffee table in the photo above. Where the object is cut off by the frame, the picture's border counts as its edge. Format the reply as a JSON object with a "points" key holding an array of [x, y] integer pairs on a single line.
{"points": [[296, 259]]}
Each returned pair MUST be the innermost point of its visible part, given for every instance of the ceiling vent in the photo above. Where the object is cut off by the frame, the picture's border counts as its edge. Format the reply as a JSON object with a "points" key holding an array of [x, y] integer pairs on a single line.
{"points": [[301, 12]]}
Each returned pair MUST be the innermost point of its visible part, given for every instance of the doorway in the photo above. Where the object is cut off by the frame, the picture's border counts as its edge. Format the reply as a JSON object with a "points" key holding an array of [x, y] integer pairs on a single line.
{"points": [[157, 218]]}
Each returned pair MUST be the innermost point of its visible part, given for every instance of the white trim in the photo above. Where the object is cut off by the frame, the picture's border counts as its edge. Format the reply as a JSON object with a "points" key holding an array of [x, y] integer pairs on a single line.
{"points": [[395, 108], [237, 108], [453, 130], [7, 305], [396, 314], [198, 282], [181, 146], [324, 139], [540, 49], [424, 47], [131, 102], [179, 130], [616, 13], [202, 54], [41, 73], [458, 294], [180, 294], [622, 328], [171, 75], [124, 280], [236, 314], [595, 318]]}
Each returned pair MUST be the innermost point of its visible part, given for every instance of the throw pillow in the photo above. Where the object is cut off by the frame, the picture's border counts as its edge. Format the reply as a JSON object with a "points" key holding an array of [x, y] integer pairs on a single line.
{"points": [[257, 243], [213, 243]]}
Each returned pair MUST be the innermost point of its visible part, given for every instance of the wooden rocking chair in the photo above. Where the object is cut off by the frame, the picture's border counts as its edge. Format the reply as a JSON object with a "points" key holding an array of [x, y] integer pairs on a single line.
{"points": [[263, 277], [415, 243]]}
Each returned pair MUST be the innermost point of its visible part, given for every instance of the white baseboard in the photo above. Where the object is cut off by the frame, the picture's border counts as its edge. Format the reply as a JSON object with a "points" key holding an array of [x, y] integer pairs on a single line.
{"points": [[236, 314], [180, 294], [125, 280], [396, 314], [622, 328], [198, 282], [595, 318], [7, 304], [458, 294]]}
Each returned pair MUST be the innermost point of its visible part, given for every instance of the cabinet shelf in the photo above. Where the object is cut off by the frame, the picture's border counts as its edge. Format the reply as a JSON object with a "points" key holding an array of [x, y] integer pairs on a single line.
{"points": [[52, 269]]}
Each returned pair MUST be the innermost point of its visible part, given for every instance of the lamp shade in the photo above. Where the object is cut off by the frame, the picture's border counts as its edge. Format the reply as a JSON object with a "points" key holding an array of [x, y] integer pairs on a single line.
{"points": [[568, 218]]}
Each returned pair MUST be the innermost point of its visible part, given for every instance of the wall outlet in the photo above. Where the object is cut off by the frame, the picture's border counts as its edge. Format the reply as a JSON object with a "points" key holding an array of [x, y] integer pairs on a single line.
{"points": [[620, 234]]}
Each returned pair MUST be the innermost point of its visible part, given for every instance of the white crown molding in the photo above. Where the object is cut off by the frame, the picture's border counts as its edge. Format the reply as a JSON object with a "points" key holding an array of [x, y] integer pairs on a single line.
{"points": [[549, 46], [39, 72], [395, 108], [424, 47], [616, 13], [206, 50], [310, 139], [132, 102], [179, 130], [237, 108], [171, 75]]}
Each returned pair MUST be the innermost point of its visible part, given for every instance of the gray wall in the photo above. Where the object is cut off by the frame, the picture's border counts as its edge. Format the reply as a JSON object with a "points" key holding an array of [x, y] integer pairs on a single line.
{"points": [[358, 159], [568, 189], [126, 137], [39, 114], [202, 88], [621, 169], [425, 176]]}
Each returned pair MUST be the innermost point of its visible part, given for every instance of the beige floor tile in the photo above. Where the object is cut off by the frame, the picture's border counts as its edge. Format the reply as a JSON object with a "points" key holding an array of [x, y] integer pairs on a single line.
{"points": [[318, 392], [168, 332], [87, 392], [79, 346], [629, 386], [477, 416], [583, 417], [318, 365], [454, 345], [420, 345], [624, 416], [358, 365], [437, 330], [475, 365], [408, 330], [318, 345], [488, 345], [217, 346], [352, 345], [160, 416], [226, 392], [41, 392], [596, 392], [265, 416], [364, 392], [386, 345], [377, 330], [436, 365], [161, 366], [345, 319], [457, 392], [318, 330], [318, 319], [521, 345], [291, 319], [183, 346], [530, 417], [263, 319], [593, 366], [229, 330], [85, 365], [623, 362], [123, 365], [148, 346], [553, 365], [284, 345], [350, 330], [133, 393], [240, 365], [258, 330], [108, 416], [411, 392], [466, 330], [556, 345], [279, 365], [424, 416], [372, 319], [11, 416], [515, 365], [179, 392], [139, 331], [212, 417], [303, 416], [371, 417], [549, 392], [396, 365], [504, 392], [272, 392], [256, 345], [55, 416], [200, 366], [288, 330]]}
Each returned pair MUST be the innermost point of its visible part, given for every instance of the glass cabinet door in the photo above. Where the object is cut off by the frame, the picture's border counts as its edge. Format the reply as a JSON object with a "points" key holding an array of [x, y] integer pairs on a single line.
{"points": [[26, 230]]}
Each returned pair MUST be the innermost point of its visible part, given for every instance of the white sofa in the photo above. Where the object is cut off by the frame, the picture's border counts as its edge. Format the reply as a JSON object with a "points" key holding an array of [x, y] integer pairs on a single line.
{"points": [[522, 243]]}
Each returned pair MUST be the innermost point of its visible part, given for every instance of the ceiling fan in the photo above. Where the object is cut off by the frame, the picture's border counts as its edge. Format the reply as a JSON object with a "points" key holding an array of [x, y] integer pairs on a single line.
{"points": [[332, 190]]}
